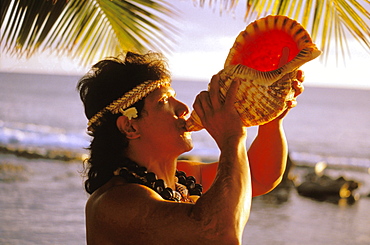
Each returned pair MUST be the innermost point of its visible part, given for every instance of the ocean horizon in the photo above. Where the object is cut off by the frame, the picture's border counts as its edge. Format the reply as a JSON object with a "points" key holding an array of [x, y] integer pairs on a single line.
{"points": [[42, 112]]}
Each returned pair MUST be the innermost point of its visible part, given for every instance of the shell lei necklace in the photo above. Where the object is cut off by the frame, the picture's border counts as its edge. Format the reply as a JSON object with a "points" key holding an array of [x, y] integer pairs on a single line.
{"points": [[187, 190]]}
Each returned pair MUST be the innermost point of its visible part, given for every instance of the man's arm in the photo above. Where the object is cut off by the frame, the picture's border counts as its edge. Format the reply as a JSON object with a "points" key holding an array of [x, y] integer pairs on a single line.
{"points": [[269, 151], [267, 154], [231, 191], [267, 159]]}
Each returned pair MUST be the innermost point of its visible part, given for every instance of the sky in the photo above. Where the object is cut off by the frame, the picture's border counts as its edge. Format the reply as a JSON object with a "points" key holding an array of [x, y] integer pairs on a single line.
{"points": [[202, 46]]}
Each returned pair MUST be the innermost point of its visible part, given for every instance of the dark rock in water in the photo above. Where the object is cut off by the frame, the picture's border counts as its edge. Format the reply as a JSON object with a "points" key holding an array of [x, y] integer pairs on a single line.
{"points": [[324, 188], [279, 195]]}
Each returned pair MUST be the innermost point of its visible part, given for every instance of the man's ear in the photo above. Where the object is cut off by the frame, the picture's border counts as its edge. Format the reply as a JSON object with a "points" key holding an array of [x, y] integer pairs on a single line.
{"points": [[128, 127]]}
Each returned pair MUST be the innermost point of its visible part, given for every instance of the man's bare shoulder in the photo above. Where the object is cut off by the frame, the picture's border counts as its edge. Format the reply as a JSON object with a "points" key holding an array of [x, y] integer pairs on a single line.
{"points": [[111, 210], [124, 213], [118, 194]]}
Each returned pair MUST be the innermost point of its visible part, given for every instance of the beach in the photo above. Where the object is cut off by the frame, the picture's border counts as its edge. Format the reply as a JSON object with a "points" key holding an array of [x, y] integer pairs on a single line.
{"points": [[43, 136], [42, 202]]}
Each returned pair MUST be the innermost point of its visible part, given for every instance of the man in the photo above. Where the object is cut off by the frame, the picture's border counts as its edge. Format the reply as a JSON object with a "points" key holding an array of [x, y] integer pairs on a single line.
{"points": [[138, 129]]}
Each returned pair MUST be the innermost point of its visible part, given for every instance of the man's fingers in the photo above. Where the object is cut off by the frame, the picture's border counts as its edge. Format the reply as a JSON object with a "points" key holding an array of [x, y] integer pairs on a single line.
{"points": [[292, 103], [214, 91], [231, 93], [201, 103], [300, 75], [298, 87]]}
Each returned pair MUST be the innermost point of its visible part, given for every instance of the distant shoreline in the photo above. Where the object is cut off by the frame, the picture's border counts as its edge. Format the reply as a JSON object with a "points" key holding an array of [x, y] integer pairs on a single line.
{"points": [[175, 79], [72, 155], [65, 155]]}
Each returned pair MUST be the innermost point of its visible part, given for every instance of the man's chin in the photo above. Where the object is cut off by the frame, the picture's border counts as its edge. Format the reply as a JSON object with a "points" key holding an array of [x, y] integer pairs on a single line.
{"points": [[187, 135], [190, 148]]}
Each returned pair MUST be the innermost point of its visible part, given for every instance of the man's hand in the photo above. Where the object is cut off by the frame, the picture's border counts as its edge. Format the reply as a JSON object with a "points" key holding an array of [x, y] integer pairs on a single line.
{"points": [[220, 119], [298, 87]]}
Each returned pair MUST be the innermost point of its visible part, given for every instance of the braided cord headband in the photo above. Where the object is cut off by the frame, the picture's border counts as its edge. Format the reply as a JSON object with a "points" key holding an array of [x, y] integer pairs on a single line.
{"points": [[128, 99]]}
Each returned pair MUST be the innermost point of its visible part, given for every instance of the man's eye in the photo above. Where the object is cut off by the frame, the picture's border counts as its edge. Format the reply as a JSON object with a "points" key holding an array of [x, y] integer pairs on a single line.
{"points": [[164, 99]]}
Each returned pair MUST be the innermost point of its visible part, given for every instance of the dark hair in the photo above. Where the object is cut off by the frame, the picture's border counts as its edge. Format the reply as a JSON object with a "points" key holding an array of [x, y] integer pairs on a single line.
{"points": [[107, 81]]}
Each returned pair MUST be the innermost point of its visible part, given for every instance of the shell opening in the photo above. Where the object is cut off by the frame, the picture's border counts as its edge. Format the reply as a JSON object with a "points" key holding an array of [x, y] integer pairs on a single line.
{"points": [[265, 51]]}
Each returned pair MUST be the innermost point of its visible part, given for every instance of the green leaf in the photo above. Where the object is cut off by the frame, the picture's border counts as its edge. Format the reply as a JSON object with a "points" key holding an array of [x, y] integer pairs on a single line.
{"points": [[87, 30], [324, 19]]}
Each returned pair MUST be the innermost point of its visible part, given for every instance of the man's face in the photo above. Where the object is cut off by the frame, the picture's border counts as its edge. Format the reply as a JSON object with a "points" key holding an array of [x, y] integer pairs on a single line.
{"points": [[163, 123]]}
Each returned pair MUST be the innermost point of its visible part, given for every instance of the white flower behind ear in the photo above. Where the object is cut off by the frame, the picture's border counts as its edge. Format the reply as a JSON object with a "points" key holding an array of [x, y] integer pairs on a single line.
{"points": [[129, 113]]}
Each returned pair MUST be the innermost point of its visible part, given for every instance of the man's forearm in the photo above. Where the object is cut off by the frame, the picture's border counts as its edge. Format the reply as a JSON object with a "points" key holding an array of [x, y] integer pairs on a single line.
{"points": [[267, 156], [229, 198]]}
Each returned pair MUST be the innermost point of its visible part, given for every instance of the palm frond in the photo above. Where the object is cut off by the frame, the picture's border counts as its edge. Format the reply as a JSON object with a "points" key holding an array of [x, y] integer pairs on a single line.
{"points": [[324, 19], [86, 30]]}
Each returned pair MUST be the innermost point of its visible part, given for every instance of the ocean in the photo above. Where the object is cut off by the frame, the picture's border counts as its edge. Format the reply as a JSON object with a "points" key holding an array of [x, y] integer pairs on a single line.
{"points": [[43, 112], [42, 198]]}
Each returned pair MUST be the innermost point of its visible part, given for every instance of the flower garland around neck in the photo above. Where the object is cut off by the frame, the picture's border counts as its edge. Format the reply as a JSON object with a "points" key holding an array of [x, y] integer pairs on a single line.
{"points": [[187, 190]]}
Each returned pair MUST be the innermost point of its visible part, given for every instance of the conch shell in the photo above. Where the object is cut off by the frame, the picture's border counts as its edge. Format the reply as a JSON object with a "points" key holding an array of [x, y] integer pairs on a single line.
{"points": [[265, 58]]}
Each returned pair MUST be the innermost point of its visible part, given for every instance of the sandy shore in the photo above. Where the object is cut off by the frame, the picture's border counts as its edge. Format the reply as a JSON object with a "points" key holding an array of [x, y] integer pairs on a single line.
{"points": [[42, 202]]}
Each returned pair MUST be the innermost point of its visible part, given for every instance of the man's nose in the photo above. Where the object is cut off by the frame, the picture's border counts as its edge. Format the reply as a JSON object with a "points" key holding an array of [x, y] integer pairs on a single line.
{"points": [[182, 110]]}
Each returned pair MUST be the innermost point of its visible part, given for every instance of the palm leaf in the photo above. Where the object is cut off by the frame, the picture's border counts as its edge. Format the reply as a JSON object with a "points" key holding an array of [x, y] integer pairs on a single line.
{"points": [[324, 19], [86, 30]]}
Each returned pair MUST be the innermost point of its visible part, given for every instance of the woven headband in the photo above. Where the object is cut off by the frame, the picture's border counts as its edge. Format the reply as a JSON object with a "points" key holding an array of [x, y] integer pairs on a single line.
{"points": [[128, 99]]}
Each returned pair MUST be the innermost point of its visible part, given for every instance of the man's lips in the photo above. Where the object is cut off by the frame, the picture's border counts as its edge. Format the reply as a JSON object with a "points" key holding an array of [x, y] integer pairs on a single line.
{"points": [[182, 124]]}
